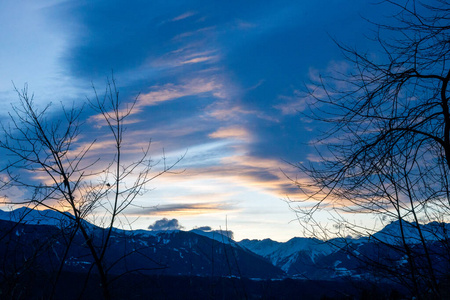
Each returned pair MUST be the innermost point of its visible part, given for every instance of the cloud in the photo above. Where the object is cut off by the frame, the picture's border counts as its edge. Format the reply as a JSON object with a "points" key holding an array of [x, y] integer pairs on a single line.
{"points": [[192, 53], [264, 174], [204, 228], [186, 209], [172, 91], [245, 25], [199, 60], [165, 224], [183, 16], [197, 88], [292, 104], [227, 233], [201, 31], [226, 111], [231, 132], [10, 193]]}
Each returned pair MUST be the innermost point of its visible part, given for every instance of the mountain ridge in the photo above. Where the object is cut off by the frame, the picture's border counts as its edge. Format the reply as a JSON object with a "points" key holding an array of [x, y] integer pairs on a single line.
{"points": [[207, 253]]}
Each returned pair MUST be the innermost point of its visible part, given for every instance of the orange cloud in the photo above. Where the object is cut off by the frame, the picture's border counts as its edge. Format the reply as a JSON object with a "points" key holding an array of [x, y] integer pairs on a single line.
{"points": [[231, 132], [185, 209], [168, 92]]}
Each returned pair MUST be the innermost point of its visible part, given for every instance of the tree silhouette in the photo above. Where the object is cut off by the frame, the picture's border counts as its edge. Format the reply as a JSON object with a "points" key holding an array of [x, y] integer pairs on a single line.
{"points": [[386, 152], [66, 177]]}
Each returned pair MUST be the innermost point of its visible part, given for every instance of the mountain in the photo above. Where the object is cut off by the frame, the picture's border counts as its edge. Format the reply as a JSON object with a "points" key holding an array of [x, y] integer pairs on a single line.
{"points": [[27, 215], [363, 257], [300, 257], [286, 255], [43, 236], [391, 234]]}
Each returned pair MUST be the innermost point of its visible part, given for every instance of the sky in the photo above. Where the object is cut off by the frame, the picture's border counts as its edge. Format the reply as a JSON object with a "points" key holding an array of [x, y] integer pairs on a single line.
{"points": [[220, 83]]}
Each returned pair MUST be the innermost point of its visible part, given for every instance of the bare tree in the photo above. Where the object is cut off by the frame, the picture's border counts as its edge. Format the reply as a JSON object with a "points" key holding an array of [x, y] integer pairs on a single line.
{"points": [[48, 160], [386, 153]]}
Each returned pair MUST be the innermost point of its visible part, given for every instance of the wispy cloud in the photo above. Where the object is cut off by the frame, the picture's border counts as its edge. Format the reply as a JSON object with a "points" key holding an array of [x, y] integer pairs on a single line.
{"points": [[199, 60], [189, 34], [242, 170], [183, 16], [241, 24], [192, 53], [299, 100], [185, 209], [170, 91], [199, 87], [234, 132], [265, 174], [292, 104], [226, 111]]}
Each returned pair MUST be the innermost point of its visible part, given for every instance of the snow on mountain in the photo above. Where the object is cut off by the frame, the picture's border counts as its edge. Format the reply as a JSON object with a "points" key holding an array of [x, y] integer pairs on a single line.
{"points": [[391, 234], [264, 247], [284, 255], [298, 257], [50, 217], [297, 254], [30, 216], [219, 236], [173, 252], [139, 232]]}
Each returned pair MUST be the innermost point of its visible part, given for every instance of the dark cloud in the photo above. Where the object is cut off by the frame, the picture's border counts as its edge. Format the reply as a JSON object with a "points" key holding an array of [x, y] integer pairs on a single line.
{"points": [[204, 228], [256, 55], [126, 36], [166, 224], [253, 41], [192, 208], [226, 233], [220, 232]]}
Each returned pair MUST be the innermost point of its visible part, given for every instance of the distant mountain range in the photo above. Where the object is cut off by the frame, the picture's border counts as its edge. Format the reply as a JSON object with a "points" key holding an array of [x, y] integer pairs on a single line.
{"points": [[42, 236], [365, 257]]}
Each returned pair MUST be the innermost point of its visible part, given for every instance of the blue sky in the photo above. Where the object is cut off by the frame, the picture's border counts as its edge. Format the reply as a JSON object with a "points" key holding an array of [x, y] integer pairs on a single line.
{"points": [[218, 81]]}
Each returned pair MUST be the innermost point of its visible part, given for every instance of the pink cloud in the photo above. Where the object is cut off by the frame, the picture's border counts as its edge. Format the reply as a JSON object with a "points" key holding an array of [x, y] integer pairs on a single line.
{"points": [[172, 91], [231, 132]]}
